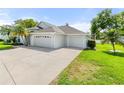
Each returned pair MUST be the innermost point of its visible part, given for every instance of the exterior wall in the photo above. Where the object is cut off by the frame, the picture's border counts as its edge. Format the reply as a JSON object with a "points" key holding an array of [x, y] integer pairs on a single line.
{"points": [[65, 40], [77, 41], [22, 39], [32, 40], [59, 41]]}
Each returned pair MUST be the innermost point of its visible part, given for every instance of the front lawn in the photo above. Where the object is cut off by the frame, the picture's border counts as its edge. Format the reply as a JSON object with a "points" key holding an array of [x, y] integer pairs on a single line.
{"points": [[3, 46], [95, 67], [1, 43]]}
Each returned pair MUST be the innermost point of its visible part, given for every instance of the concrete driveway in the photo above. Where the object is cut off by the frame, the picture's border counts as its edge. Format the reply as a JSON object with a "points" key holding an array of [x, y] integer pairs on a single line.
{"points": [[30, 65]]}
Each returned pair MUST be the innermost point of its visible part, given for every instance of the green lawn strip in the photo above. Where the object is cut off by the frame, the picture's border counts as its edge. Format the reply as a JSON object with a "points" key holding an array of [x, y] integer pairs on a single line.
{"points": [[95, 67], [3, 47], [1, 43]]}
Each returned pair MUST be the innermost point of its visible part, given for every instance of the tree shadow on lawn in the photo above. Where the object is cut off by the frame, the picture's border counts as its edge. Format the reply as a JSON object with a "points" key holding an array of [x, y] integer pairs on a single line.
{"points": [[120, 54]]}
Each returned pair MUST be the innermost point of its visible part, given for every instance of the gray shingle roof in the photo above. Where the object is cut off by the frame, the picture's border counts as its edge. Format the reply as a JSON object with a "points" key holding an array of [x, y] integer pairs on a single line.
{"points": [[51, 29], [46, 27], [70, 30]]}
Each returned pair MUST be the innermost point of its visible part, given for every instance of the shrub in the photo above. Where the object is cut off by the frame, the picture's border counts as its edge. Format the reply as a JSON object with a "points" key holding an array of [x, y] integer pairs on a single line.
{"points": [[1, 43], [91, 44], [2, 47], [1, 40], [17, 44]]}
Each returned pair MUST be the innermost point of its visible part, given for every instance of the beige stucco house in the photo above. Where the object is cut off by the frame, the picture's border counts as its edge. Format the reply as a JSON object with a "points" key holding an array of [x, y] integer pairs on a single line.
{"points": [[51, 36]]}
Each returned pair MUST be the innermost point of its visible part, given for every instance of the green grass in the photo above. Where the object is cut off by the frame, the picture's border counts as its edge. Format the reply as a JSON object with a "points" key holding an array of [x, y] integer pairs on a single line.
{"points": [[3, 47], [1, 43], [91, 67]]}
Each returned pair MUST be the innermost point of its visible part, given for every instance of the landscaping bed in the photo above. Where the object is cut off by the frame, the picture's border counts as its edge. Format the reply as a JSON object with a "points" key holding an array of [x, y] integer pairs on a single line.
{"points": [[100, 67]]}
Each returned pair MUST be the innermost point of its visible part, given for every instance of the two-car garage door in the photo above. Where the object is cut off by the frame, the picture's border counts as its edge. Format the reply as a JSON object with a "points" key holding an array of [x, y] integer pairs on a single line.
{"points": [[41, 40]]}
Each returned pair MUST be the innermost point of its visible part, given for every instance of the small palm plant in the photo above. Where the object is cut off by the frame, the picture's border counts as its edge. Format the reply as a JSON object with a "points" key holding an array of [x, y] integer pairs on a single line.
{"points": [[112, 36], [19, 30]]}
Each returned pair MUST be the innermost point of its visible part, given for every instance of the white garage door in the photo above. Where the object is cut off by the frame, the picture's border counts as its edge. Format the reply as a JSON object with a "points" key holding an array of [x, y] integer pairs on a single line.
{"points": [[77, 41], [41, 41]]}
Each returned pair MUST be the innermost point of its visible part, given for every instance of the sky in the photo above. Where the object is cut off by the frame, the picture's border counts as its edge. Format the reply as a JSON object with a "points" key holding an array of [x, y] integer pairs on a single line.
{"points": [[79, 18]]}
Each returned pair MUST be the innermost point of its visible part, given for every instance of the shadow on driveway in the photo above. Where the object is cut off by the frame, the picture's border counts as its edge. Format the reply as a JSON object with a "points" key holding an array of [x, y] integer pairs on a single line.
{"points": [[39, 48], [44, 49]]}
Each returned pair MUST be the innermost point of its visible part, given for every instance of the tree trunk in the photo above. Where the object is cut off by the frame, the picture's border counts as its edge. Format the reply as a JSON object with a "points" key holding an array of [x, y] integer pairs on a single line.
{"points": [[113, 45]]}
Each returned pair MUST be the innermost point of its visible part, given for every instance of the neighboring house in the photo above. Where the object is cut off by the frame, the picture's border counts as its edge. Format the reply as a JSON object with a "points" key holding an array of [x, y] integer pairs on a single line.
{"points": [[51, 36]]}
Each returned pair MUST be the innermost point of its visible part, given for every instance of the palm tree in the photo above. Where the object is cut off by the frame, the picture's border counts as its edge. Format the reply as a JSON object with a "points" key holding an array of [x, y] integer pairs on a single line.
{"points": [[112, 36], [22, 32]]}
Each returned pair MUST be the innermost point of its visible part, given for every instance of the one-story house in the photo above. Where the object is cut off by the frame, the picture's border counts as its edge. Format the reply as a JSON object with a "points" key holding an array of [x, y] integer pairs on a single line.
{"points": [[51, 36]]}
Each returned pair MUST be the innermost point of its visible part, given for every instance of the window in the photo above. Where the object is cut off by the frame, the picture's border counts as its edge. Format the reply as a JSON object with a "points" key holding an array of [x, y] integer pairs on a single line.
{"points": [[42, 36]]}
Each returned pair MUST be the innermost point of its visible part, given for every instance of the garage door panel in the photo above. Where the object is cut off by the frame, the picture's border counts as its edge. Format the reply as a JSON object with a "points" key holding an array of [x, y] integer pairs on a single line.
{"points": [[42, 41], [77, 41]]}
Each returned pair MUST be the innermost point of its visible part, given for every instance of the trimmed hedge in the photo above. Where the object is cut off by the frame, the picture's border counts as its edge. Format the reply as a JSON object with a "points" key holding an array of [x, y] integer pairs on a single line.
{"points": [[1, 43], [1, 40], [91, 44], [2, 47]]}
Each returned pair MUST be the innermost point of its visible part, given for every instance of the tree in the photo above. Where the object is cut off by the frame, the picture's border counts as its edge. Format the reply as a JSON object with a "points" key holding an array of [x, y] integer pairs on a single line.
{"points": [[120, 20], [111, 35], [94, 29], [22, 26], [19, 30], [101, 22], [27, 23], [109, 26], [6, 31]]}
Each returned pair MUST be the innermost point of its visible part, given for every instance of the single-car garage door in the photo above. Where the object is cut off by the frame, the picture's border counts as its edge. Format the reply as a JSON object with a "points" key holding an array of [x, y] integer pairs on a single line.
{"points": [[41, 41], [76, 41]]}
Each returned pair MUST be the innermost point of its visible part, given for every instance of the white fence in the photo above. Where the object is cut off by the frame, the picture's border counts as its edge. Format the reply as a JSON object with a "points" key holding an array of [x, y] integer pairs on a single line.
{"points": [[98, 41], [122, 38]]}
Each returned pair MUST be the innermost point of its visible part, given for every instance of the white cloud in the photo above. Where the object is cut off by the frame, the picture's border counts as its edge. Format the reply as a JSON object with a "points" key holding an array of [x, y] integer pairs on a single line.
{"points": [[41, 18], [6, 22], [4, 18], [3, 14], [46, 18], [28, 17], [83, 26]]}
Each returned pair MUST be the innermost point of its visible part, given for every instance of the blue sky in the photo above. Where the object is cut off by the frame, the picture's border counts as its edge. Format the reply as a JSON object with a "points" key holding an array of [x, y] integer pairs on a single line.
{"points": [[79, 18]]}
